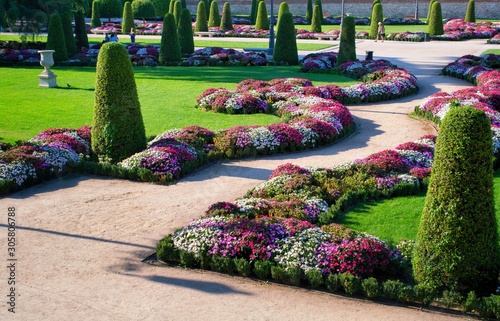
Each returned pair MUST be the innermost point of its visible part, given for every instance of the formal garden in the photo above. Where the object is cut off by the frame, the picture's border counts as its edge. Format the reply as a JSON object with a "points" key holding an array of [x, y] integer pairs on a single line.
{"points": [[318, 228]]}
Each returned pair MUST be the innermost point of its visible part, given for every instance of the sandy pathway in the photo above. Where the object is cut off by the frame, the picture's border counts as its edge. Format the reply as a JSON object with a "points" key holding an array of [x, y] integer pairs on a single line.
{"points": [[81, 239]]}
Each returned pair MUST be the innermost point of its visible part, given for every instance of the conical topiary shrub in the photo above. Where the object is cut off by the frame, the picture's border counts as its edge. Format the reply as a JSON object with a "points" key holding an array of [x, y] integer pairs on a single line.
{"points": [[283, 8], [316, 20], [429, 11], [347, 48], [214, 18], [253, 11], [457, 242], [262, 23], [128, 18], [470, 14], [183, 4], [69, 37], [186, 40], [117, 128], [177, 12], [320, 5], [285, 50], [436, 20], [201, 18], [309, 11], [171, 6], [55, 38], [82, 40], [377, 16], [95, 21], [170, 49], [227, 20]]}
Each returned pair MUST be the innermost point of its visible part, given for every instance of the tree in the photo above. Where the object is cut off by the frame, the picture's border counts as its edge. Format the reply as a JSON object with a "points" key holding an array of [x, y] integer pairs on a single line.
{"points": [[470, 14], [171, 6], [201, 18], [96, 15], [377, 16], [183, 4], [457, 241], [69, 37], [309, 11], [253, 10], [429, 11], [214, 18], [347, 48], [170, 49], [436, 20], [82, 40], [285, 50], [262, 23], [143, 9], [186, 40], [177, 12], [117, 127], [320, 5], [227, 20], [55, 38], [316, 20], [128, 18], [283, 8], [161, 7], [110, 9]]}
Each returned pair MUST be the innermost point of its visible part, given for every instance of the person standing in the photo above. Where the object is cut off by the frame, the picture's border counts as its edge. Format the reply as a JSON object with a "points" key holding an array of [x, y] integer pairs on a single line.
{"points": [[132, 35], [380, 31]]}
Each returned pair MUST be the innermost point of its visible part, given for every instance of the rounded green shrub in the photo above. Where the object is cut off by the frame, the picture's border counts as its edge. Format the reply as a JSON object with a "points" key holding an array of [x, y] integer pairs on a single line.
{"points": [[95, 21], [82, 40], [457, 241], [320, 6], [201, 18], [143, 9], [347, 48], [315, 278], [377, 16], [117, 127], [69, 37], [262, 23], [285, 50], [371, 288], [309, 11], [128, 18], [186, 40], [214, 18], [316, 20], [470, 14], [436, 20], [55, 38], [170, 49], [110, 9], [350, 283], [177, 12], [227, 20]]}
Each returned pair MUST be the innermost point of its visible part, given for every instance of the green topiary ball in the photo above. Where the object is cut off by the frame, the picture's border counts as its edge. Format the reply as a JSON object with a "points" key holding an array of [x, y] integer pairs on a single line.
{"points": [[117, 127]]}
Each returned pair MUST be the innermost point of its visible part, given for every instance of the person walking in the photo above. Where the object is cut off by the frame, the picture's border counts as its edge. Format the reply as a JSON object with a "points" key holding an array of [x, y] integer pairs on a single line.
{"points": [[132, 35], [380, 31]]}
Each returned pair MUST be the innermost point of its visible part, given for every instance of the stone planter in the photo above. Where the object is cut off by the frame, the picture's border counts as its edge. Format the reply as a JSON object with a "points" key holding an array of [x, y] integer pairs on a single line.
{"points": [[47, 77]]}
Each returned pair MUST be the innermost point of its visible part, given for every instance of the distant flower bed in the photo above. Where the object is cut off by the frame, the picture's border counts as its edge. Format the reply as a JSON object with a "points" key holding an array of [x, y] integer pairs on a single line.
{"points": [[469, 67], [495, 40], [458, 29]]}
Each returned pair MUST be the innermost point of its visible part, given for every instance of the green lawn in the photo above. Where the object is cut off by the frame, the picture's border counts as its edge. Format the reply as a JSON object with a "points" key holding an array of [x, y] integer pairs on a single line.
{"points": [[167, 96], [397, 218]]}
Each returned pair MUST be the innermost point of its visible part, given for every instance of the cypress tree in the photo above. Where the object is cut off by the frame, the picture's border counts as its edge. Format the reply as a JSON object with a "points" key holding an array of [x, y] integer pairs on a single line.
{"points": [[117, 127], [285, 50], [283, 8], [436, 20], [128, 18], [320, 5], [82, 40], [96, 16], [457, 241], [214, 18], [207, 8], [316, 20], [69, 37], [177, 12], [253, 11], [429, 10], [470, 14], [347, 48], [201, 18], [377, 16], [55, 38], [171, 6], [227, 20], [262, 23], [309, 11], [170, 49], [186, 40]]}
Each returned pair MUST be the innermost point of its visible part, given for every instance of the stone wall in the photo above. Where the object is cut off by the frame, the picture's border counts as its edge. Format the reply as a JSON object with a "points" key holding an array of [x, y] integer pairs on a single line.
{"points": [[485, 9]]}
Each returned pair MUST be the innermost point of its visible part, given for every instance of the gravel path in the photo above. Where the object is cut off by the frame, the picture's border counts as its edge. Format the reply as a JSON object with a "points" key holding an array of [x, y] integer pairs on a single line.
{"points": [[81, 239]]}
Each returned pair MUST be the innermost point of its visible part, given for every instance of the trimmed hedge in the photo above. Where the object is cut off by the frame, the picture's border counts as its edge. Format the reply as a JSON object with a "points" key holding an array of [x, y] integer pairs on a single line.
{"points": [[347, 48], [436, 20], [262, 23], [214, 18], [283, 8], [143, 9], [186, 40], [96, 16], [82, 40], [201, 18], [170, 49], [309, 11], [227, 20], [285, 50], [320, 6], [128, 18], [316, 20], [69, 37], [55, 38], [377, 16], [470, 14], [429, 10], [177, 12], [110, 8]]}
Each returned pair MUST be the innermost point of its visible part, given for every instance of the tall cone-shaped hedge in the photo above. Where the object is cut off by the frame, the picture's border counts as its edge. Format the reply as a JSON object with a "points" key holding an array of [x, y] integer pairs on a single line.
{"points": [[262, 23], [285, 50], [283, 8], [377, 16], [457, 242], [470, 14], [69, 37], [253, 10], [95, 20], [309, 11], [170, 49], [117, 128], [227, 19], [316, 20], [320, 5], [436, 20], [429, 10], [82, 40], [171, 6], [183, 4], [55, 38], [214, 18], [347, 47], [201, 17], [128, 18], [186, 40], [177, 12]]}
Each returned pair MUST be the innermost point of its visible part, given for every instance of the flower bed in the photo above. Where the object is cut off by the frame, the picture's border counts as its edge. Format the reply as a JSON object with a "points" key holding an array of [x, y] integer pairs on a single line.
{"points": [[458, 29]]}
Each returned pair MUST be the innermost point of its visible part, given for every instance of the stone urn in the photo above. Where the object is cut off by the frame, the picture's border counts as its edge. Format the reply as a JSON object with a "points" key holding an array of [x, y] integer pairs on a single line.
{"points": [[47, 77]]}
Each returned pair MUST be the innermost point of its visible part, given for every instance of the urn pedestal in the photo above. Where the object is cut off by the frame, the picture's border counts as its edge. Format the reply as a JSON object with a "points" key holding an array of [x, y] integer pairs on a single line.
{"points": [[47, 77]]}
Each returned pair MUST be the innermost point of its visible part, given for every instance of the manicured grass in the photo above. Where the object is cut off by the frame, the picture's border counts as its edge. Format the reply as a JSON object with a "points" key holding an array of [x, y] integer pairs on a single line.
{"points": [[394, 219], [167, 96], [491, 51]]}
